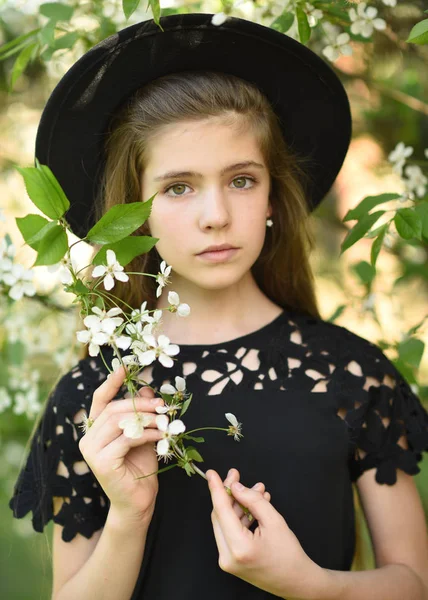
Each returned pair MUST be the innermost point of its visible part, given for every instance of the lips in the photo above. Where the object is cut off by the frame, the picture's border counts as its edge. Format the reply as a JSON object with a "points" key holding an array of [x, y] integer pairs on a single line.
{"points": [[218, 248]]}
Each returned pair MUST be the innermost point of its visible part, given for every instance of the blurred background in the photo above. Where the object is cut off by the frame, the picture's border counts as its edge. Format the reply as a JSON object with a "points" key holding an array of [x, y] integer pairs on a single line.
{"points": [[386, 78]]}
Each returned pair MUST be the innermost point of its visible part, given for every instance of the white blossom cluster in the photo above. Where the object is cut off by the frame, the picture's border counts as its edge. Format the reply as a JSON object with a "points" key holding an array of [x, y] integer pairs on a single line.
{"points": [[414, 180], [364, 21], [14, 278]]}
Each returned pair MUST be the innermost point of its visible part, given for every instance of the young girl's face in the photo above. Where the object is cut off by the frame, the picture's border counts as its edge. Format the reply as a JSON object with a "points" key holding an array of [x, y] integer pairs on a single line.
{"points": [[210, 200]]}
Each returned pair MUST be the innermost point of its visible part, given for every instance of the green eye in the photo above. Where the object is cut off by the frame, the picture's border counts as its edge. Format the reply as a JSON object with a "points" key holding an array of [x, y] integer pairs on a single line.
{"points": [[243, 179]]}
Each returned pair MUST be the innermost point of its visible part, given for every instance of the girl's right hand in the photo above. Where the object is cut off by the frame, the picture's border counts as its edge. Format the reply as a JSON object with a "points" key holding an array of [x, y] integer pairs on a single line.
{"points": [[117, 460]]}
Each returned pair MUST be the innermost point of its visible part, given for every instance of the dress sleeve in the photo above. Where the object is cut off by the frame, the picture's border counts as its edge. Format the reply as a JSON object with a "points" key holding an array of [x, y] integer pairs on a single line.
{"points": [[55, 466], [382, 409]]}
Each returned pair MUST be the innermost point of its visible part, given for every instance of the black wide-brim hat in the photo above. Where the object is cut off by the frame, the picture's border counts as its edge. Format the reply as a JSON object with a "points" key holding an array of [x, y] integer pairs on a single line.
{"points": [[304, 91]]}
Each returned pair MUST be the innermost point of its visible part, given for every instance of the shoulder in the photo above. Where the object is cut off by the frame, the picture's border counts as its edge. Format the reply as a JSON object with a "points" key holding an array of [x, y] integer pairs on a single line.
{"points": [[74, 389], [342, 344]]}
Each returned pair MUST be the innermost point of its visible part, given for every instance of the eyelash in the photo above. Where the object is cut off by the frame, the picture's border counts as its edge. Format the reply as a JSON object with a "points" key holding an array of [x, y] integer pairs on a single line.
{"points": [[253, 179]]}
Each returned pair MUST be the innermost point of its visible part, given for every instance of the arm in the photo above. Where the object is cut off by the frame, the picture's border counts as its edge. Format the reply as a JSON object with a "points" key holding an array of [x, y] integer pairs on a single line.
{"points": [[397, 527], [111, 571]]}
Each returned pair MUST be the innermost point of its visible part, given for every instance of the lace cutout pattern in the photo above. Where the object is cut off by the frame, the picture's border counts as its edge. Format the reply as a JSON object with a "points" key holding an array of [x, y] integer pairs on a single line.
{"points": [[387, 426], [55, 466]]}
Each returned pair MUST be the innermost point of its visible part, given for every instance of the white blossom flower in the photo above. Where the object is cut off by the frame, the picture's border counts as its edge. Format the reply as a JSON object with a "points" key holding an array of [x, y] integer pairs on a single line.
{"points": [[219, 18], [94, 337], [104, 321], [5, 399], [141, 314], [2, 216], [340, 46], [64, 267], [179, 393], [235, 428], [113, 270], [20, 280], [162, 277], [416, 181], [390, 2], [134, 426], [364, 20], [183, 310], [369, 302], [162, 350], [27, 402], [169, 431], [426, 152], [179, 389], [314, 14], [398, 157]]}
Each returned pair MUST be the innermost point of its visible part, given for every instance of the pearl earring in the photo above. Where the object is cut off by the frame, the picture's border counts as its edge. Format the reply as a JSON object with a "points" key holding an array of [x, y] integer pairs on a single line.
{"points": [[269, 223]]}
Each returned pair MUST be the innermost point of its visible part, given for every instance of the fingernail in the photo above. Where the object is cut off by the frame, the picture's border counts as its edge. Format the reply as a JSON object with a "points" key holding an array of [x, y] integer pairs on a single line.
{"points": [[257, 486], [208, 474], [154, 400], [238, 485]]}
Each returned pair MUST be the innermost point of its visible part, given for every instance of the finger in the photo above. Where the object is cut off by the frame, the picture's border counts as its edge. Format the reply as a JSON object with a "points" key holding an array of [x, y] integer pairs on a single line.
{"points": [[105, 393], [259, 507], [114, 453], [223, 548], [246, 522], [102, 434], [125, 406], [228, 521], [144, 391]]}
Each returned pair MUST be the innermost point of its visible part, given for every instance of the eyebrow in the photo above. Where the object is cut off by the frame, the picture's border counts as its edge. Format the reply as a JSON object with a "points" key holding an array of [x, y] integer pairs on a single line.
{"points": [[240, 165]]}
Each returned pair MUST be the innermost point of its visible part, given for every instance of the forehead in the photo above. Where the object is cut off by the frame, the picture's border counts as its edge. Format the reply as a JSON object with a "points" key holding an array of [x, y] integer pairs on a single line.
{"points": [[201, 144]]}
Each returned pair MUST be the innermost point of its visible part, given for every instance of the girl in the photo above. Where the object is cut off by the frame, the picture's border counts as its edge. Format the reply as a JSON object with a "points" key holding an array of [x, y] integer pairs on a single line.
{"points": [[240, 131]]}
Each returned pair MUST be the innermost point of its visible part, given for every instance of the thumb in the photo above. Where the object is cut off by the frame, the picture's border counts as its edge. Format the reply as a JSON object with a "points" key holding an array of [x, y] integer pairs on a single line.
{"points": [[261, 509]]}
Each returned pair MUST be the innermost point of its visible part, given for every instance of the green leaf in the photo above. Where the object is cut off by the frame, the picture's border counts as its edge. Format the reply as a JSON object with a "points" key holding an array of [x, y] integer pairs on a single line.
{"points": [[377, 244], [303, 25], [358, 231], [33, 228], [338, 10], [193, 454], [411, 351], [194, 439], [44, 190], [156, 10], [364, 271], [65, 41], [15, 45], [52, 247], [21, 62], [367, 204], [47, 33], [78, 288], [339, 310], [421, 210], [120, 221], [408, 223], [56, 11], [129, 6], [419, 33], [283, 22], [186, 405], [126, 249], [405, 370]]}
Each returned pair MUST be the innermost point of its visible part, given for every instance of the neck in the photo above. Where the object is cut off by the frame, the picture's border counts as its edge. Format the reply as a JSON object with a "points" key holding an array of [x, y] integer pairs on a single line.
{"points": [[216, 315]]}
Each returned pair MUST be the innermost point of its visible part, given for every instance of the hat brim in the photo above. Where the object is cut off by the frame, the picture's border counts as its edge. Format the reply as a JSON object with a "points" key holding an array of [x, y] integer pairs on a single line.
{"points": [[305, 93]]}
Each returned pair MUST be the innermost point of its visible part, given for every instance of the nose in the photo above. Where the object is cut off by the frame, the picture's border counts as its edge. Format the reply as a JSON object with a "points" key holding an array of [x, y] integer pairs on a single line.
{"points": [[215, 211]]}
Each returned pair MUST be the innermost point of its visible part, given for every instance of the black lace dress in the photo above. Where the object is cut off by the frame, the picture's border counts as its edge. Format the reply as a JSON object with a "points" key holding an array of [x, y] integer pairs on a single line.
{"points": [[319, 405]]}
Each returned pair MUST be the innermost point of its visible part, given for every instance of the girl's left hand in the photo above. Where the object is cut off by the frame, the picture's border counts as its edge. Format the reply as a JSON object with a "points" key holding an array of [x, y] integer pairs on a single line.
{"points": [[271, 557]]}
